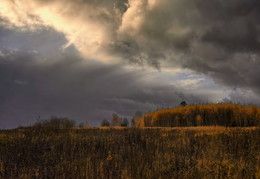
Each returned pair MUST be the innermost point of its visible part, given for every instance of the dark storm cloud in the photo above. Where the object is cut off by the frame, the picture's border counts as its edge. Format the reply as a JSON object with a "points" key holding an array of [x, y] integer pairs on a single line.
{"points": [[73, 87], [44, 41], [39, 79], [238, 25], [218, 38], [215, 37]]}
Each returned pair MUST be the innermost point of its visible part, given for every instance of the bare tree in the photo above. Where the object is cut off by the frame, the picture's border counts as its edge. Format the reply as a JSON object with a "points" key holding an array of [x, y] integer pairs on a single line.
{"points": [[125, 123], [116, 120], [138, 120]]}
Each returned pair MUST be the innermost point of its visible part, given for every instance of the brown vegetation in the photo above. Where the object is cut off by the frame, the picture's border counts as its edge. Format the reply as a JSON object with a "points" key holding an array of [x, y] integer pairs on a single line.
{"points": [[230, 115], [190, 152]]}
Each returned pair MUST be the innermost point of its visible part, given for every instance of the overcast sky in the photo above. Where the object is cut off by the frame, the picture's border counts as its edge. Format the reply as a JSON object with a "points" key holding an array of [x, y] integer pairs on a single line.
{"points": [[87, 59]]}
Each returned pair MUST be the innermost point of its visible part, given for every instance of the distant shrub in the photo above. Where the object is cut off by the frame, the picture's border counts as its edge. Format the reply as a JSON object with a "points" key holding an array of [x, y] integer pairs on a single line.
{"points": [[56, 122], [105, 123]]}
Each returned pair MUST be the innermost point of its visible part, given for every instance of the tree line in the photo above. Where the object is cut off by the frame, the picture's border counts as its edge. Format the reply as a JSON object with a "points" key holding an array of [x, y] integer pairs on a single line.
{"points": [[229, 115], [116, 121]]}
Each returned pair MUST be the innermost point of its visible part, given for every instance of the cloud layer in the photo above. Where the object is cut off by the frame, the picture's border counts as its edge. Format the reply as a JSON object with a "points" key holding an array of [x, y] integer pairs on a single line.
{"points": [[61, 54], [218, 38], [67, 85]]}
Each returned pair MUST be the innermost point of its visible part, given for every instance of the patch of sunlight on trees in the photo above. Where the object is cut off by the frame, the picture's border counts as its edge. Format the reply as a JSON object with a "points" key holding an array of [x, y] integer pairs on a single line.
{"points": [[229, 115]]}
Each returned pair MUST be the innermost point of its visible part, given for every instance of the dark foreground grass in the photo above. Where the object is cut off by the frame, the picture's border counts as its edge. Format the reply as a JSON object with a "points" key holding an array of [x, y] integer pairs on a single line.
{"points": [[203, 152]]}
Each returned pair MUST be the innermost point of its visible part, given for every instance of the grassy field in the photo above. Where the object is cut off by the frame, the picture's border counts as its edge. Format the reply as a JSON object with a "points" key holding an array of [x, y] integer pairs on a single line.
{"points": [[190, 152]]}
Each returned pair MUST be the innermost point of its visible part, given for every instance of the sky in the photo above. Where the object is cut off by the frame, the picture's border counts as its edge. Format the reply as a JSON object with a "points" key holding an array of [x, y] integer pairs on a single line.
{"points": [[88, 59]]}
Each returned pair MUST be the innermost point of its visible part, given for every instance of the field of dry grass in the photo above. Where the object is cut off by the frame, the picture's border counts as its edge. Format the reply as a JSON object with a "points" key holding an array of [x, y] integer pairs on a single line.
{"points": [[186, 152]]}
